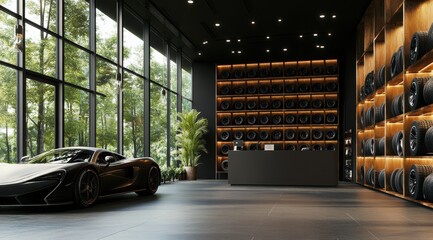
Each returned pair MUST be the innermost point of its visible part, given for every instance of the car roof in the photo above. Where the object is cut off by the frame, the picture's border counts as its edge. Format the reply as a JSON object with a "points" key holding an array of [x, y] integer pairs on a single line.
{"points": [[95, 149]]}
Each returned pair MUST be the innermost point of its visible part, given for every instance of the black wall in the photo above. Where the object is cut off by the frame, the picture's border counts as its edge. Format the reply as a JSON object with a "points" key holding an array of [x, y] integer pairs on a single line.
{"points": [[204, 101]]}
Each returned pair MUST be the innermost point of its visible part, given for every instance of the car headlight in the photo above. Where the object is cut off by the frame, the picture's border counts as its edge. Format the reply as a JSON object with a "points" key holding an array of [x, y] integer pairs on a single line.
{"points": [[51, 176]]}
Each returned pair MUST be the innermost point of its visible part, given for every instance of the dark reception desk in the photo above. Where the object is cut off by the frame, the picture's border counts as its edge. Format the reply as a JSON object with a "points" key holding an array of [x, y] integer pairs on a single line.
{"points": [[289, 168]]}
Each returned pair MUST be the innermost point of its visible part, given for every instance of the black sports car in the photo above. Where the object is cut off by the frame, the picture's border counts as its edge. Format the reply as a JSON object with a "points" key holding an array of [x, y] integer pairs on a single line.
{"points": [[75, 175]]}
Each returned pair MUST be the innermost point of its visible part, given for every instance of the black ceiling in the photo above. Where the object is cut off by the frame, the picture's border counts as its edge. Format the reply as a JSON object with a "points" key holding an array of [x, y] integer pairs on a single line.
{"points": [[299, 17]]}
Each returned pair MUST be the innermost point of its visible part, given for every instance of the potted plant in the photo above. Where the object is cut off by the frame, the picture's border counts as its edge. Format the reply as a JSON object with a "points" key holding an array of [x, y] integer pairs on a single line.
{"points": [[189, 139]]}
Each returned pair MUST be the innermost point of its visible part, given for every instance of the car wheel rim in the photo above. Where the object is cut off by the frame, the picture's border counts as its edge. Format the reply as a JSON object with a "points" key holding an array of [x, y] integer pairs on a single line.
{"points": [[153, 179], [412, 138], [412, 181], [89, 187], [412, 94]]}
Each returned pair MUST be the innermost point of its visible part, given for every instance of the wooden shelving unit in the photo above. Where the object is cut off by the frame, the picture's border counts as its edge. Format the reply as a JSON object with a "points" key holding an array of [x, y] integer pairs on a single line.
{"points": [[274, 100], [386, 26]]}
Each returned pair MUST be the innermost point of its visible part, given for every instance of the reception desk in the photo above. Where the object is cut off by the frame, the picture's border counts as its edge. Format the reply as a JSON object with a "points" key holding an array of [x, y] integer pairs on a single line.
{"points": [[289, 168]]}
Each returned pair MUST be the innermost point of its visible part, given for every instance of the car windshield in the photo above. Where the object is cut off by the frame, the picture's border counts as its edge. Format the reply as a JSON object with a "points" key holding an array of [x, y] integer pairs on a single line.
{"points": [[62, 156]]}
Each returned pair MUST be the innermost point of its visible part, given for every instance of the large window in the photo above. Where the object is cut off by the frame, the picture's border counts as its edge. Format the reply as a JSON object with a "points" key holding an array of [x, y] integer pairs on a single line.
{"points": [[42, 13], [7, 36], [186, 78], [9, 4], [77, 21], [133, 44], [76, 110], [158, 123], [76, 66], [8, 127], [106, 29], [173, 121], [158, 60], [173, 70], [40, 51]]}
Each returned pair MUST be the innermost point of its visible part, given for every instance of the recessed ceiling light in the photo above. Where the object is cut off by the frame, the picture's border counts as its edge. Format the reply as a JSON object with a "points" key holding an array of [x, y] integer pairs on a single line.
{"points": [[334, 16], [315, 34], [322, 46], [253, 22], [280, 20], [233, 51], [190, 1], [199, 53], [301, 36], [239, 40], [322, 16], [285, 49], [217, 24], [228, 40], [267, 37], [239, 52], [267, 50], [329, 34], [205, 42], [317, 46]]}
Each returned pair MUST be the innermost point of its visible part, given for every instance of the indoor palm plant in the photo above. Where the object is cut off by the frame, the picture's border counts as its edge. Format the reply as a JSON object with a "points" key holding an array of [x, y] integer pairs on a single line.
{"points": [[189, 140]]}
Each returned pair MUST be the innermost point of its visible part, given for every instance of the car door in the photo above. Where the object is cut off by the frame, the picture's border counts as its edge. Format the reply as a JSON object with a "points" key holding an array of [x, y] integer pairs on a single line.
{"points": [[117, 175]]}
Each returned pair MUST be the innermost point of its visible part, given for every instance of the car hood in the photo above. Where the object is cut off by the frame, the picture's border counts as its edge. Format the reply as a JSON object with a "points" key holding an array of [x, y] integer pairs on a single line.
{"points": [[15, 173]]}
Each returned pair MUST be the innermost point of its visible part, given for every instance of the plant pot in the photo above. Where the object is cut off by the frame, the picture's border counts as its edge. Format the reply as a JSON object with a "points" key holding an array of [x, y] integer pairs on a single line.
{"points": [[191, 173]]}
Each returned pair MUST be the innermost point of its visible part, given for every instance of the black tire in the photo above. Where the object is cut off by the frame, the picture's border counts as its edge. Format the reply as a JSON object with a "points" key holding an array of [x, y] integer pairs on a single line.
{"points": [[303, 71], [251, 105], [380, 77], [304, 134], [417, 174], [381, 178], [87, 188], [264, 89], [381, 147], [225, 90], [152, 183], [252, 73], [317, 118], [277, 135], [331, 134], [317, 147], [238, 105], [317, 87], [290, 147], [303, 104], [416, 96], [251, 89], [225, 149], [428, 140], [397, 62], [238, 73], [427, 188], [225, 135], [317, 134], [331, 70], [239, 120], [277, 72], [277, 119], [264, 72], [238, 135], [264, 135], [304, 119], [362, 119], [417, 136], [304, 147], [290, 134], [392, 179], [317, 71], [371, 147], [238, 90], [331, 103], [397, 105], [290, 104], [430, 38], [289, 72], [225, 165], [277, 88], [331, 87], [264, 120], [225, 74], [428, 91], [317, 103], [291, 119], [331, 147], [290, 88], [264, 104], [251, 135], [399, 181], [418, 46], [397, 143], [304, 87], [225, 105], [331, 118], [277, 104], [361, 174], [362, 148], [225, 121], [251, 120]]}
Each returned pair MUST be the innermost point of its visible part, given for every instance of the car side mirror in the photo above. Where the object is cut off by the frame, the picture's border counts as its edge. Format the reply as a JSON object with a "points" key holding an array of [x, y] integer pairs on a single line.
{"points": [[109, 159]]}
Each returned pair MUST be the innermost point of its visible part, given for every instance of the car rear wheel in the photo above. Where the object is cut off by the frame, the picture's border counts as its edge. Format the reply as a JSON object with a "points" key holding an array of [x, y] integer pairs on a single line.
{"points": [[152, 182], [86, 188]]}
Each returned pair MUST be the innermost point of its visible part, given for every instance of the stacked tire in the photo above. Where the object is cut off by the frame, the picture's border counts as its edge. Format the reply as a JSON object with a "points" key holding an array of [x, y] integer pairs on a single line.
{"points": [[397, 144], [397, 106], [421, 137], [417, 175], [397, 62], [396, 180], [421, 43]]}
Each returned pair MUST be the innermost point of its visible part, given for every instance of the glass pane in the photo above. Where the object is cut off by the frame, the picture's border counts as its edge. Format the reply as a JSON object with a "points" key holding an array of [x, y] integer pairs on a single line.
{"points": [[40, 51], [9, 4], [133, 44], [106, 29], [40, 117], [186, 105], [106, 106], [173, 70], [77, 21], [76, 110], [8, 128], [133, 115], [173, 120], [7, 38], [158, 124], [158, 60], [42, 13], [76, 66], [186, 79]]}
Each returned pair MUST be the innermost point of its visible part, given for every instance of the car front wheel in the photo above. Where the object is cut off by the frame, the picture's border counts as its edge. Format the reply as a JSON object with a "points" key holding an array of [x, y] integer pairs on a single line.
{"points": [[86, 188], [152, 183]]}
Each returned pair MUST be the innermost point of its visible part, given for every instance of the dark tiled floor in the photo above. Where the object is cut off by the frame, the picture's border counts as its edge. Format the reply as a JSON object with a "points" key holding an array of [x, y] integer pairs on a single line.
{"points": [[216, 210]]}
